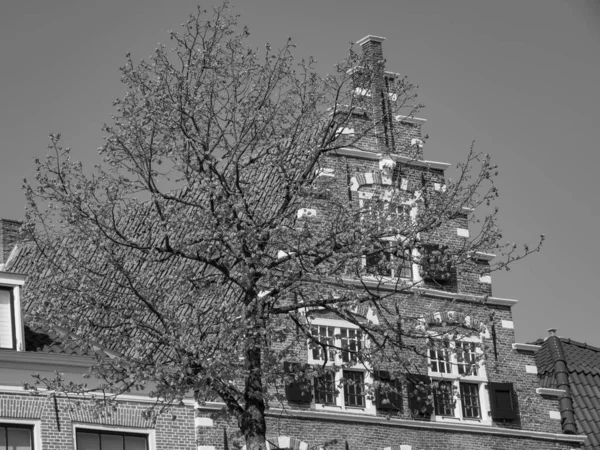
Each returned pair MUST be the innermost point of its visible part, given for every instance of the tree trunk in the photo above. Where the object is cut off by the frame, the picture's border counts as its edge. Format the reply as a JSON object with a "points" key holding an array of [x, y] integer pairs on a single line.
{"points": [[252, 421]]}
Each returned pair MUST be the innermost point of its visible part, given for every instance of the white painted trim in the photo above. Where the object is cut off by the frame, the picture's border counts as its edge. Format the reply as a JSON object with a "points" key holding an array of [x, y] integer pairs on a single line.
{"points": [[356, 153], [487, 279], [204, 422], [548, 392], [554, 415], [46, 359], [407, 423], [484, 256], [369, 38], [410, 119], [467, 298], [531, 369], [462, 232], [150, 432], [421, 162], [509, 324], [529, 348], [12, 279], [36, 424]]}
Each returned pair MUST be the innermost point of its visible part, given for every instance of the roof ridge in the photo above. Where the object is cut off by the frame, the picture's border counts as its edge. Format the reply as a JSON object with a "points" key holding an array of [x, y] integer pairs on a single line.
{"points": [[580, 344]]}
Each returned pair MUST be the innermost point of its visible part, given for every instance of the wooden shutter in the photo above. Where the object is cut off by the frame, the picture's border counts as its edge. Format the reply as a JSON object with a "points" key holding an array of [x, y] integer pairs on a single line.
{"points": [[502, 400], [388, 401], [420, 400], [7, 334], [297, 391]]}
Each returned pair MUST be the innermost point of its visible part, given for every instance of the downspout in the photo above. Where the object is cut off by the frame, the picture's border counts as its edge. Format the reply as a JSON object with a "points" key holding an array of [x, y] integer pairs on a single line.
{"points": [[561, 377]]}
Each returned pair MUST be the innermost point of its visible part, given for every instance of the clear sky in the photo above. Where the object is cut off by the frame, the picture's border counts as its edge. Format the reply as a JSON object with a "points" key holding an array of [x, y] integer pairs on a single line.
{"points": [[520, 77]]}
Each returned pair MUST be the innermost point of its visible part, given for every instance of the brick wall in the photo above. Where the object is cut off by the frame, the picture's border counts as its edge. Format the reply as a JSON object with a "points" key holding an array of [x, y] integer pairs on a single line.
{"points": [[317, 432], [59, 417]]}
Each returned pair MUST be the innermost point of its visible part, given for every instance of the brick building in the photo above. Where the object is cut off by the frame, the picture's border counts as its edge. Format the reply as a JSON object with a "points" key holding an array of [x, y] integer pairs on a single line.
{"points": [[474, 390]]}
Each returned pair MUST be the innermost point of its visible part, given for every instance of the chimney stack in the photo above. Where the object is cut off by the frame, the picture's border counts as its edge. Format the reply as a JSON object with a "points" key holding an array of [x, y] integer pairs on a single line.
{"points": [[373, 52]]}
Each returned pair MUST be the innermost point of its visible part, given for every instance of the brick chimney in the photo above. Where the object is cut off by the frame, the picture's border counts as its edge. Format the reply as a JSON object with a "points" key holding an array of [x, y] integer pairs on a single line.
{"points": [[373, 52], [9, 237]]}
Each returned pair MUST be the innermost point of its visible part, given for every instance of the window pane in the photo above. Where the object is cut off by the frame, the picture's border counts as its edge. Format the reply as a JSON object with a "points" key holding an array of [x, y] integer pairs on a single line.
{"points": [[444, 399], [324, 335], [352, 343], [354, 389], [469, 394], [325, 391], [135, 443], [440, 358], [404, 263], [6, 319], [466, 355], [19, 438], [88, 441], [2, 438], [111, 442]]}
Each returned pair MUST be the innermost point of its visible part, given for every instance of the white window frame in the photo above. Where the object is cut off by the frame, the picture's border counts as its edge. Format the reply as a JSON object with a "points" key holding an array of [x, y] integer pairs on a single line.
{"points": [[456, 379], [340, 405], [148, 432], [14, 282], [36, 425]]}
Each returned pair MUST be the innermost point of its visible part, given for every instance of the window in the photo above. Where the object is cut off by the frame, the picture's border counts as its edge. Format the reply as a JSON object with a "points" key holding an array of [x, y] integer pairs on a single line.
{"points": [[110, 440], [342, 386], [389, 260], [7, 318], [354, 388], [458, 381], [16, 437]]}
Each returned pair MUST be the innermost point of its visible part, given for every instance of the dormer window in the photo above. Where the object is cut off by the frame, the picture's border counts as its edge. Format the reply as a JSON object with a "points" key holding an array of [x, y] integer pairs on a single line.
{"points": [[11, 322]]}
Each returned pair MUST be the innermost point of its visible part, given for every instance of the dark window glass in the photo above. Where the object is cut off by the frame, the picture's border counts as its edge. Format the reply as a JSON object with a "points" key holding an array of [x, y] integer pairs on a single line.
{"points": [[354, 388], [110, 440], [443, 399], [378, 262], [15, 437], [389, 259], [469, 395], [325, 391]]}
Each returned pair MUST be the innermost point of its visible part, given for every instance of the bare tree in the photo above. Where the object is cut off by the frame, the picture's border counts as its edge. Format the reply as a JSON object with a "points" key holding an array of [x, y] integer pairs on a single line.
{"points": [[199, 249]]}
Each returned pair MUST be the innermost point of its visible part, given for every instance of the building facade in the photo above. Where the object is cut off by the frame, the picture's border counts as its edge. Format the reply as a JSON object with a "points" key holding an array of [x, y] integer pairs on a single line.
{"points": [[471, 390]]}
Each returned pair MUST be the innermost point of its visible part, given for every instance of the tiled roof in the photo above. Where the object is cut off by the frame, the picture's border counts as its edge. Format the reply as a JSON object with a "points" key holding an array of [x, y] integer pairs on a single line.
{"points": [[583, 363]]}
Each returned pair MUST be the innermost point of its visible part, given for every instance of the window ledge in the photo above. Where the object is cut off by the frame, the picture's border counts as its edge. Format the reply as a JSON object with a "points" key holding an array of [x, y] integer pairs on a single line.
{"points": [[401, 286], [461, 421], [408, 423], [333, 409], [356, 153], [547, 392], [526, 348]]}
